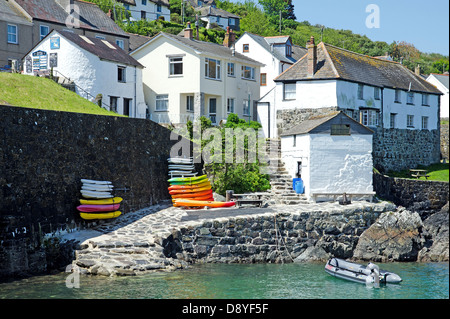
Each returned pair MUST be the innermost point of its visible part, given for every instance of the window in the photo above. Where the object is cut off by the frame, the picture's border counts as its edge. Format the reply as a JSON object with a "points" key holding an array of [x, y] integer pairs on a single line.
{"points": [[213, 110], [12, 34], [190, 103], [230, 69], [230, 105], [340, 129], [424, 122], [126, 106], [212, 69], [246, 107], [369, 117], [248, 73], [143, 15], [120, 43], [121, 74], [263, 79], [294, 140], [162, 102], [410, 121], [288, 50], [144, 2], [176, 66], [245, 47], [376, 93], [360, 91], [349, 113], [232, 22], [393, 120], [43, 31], [398, 96], [289, 91], [410, 98], [158, 8], [425, 99], [113, 103]]}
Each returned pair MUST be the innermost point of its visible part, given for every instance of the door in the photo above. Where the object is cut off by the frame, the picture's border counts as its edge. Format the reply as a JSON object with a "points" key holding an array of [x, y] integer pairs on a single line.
{"points": [[213, 110]]}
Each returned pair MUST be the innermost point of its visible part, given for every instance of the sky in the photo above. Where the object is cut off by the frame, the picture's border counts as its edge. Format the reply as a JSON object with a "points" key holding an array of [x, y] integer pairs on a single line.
{"points": [[422, 23]]}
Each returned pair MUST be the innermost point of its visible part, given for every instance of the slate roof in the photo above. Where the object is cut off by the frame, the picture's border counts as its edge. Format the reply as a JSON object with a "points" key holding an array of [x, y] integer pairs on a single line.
{"points": [[338, 117], [209, 47], [212, 11], [297, 51], [136, 40], [337, 63], [99, 48], [11, 14], [91, 16], [443, 78]]}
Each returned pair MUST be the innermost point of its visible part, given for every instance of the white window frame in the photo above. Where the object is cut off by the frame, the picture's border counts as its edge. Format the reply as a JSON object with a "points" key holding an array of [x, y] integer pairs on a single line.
{"points": [[172, 62], [410, 120], [189, 103], [425, 98], [424, 122], [121, 74], [212, 115], [230, 105], [41, 34], [230, 69], [289, 91], [369, 117], [246, 108], [398, 96], [162, 102], [376, 93], [360, 92], [247, 73], [209, 67], [393, 120], [14, 34], [410, 98], [120, 43]]}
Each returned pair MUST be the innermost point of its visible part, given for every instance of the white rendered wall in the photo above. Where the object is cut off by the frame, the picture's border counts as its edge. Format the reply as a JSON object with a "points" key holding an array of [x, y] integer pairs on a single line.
{"points": [[151, 11], [444, 98]]}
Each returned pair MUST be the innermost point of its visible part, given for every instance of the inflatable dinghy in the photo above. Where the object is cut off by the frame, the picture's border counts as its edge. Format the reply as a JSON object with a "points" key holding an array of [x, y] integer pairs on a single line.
{"points": [[359, 273]]}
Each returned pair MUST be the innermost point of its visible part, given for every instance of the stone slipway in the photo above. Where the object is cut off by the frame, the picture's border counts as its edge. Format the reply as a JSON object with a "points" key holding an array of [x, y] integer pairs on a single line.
{"points": [[163, 237]]}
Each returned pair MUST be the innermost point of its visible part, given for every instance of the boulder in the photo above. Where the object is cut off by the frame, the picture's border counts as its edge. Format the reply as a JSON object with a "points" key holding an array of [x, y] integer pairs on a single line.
{"points": [[313, 253], [436, 235], [395, 236]]}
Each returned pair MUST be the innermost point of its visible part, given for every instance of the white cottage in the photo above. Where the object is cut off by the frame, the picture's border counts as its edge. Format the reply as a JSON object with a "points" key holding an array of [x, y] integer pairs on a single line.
{"points": [[332, 154], [185, 78], [442, 83], [147, 9], [95, 66]]}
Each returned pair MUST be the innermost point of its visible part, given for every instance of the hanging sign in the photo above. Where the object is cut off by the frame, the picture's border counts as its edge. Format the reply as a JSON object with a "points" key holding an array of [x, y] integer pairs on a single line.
{"points": [[54, 43]]}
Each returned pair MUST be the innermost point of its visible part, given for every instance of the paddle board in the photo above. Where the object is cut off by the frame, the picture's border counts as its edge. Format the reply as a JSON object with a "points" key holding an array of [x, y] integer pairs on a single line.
{"points": [[192, 195], [194, 203], [106, 201], [89, 208], [109, 215], [193, 187], [187, 179], [91, 181]]}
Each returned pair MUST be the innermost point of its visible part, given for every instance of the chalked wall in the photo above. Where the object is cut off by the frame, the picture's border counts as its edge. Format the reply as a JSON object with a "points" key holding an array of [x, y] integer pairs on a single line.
{"points": [[44, 155]]}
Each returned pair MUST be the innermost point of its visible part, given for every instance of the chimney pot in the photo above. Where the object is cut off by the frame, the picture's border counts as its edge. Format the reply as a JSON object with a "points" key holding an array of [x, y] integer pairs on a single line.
{"points": [[230, 38], [312, 57], [417, 69]]}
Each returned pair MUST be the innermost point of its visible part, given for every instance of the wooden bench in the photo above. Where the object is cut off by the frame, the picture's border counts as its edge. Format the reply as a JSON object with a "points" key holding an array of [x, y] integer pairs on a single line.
{"points": [[418, 173], [348, 195]]}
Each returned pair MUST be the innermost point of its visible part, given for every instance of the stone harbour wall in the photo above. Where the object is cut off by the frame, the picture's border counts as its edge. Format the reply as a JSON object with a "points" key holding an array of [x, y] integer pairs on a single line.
{"points": [[43, 156]]}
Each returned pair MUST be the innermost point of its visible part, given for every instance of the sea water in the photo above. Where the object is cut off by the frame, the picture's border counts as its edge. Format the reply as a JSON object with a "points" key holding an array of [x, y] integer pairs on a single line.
{"points": [[237, 281]]}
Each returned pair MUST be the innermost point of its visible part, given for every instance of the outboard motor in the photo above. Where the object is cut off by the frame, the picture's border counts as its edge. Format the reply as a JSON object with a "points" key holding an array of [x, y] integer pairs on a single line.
{"points": [[374, 277]]}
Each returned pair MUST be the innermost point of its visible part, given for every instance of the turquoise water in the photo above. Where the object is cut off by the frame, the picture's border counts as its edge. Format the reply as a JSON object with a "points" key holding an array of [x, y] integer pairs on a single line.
{"points": [[237, 281]]}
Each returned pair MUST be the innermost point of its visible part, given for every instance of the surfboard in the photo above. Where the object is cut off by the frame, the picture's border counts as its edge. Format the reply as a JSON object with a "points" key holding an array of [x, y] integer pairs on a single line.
{"points": [[194, 203], [96, 195], [97, 187], [109, 215], [89, 208], [107, 201]]}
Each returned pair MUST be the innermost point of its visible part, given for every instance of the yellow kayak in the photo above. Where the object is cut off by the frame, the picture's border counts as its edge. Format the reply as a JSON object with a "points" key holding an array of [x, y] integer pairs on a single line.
{"points": [[100, 215], [104, 201]]}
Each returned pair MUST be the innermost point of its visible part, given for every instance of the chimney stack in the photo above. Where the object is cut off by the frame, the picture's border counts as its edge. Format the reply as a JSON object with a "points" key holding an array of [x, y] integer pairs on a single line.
{"points": [[230, 38], [312, 57], [188, 32], [417, 69]]}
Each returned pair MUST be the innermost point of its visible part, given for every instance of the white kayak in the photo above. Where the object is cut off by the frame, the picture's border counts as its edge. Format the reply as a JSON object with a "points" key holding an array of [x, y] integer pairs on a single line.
{"points": [[94, 194], [91, 181], [97, 187]]}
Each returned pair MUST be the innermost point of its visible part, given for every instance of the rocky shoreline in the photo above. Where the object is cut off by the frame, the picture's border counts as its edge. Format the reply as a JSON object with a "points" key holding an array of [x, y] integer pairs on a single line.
{"points": [[167, 238]]}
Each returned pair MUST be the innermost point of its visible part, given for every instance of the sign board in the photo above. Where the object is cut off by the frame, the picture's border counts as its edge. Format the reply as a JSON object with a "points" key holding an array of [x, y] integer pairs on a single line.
{"points": [[40, 60], [53, 60], [54, 43]]}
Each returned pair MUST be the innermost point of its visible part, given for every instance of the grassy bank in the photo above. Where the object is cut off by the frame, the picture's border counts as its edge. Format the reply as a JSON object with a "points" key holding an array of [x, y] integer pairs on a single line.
{"points": [[41, 93], [437, 172]]}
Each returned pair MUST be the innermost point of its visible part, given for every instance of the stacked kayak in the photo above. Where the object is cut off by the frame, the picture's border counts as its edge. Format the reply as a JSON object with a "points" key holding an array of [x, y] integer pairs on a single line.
{"points": [[193, 192], [181, 167], [98, 201]]}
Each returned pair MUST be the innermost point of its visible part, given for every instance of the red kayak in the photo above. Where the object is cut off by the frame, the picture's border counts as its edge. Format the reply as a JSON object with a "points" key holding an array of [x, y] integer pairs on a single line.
{"points": [[196, 194], [98, 208]]}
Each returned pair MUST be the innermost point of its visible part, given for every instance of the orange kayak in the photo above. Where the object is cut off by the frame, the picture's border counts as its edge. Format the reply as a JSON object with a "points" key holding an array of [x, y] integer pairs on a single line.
{"points": [[203, 198], [194, 203], [189, 191], [196, 194], [193, 186]]}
